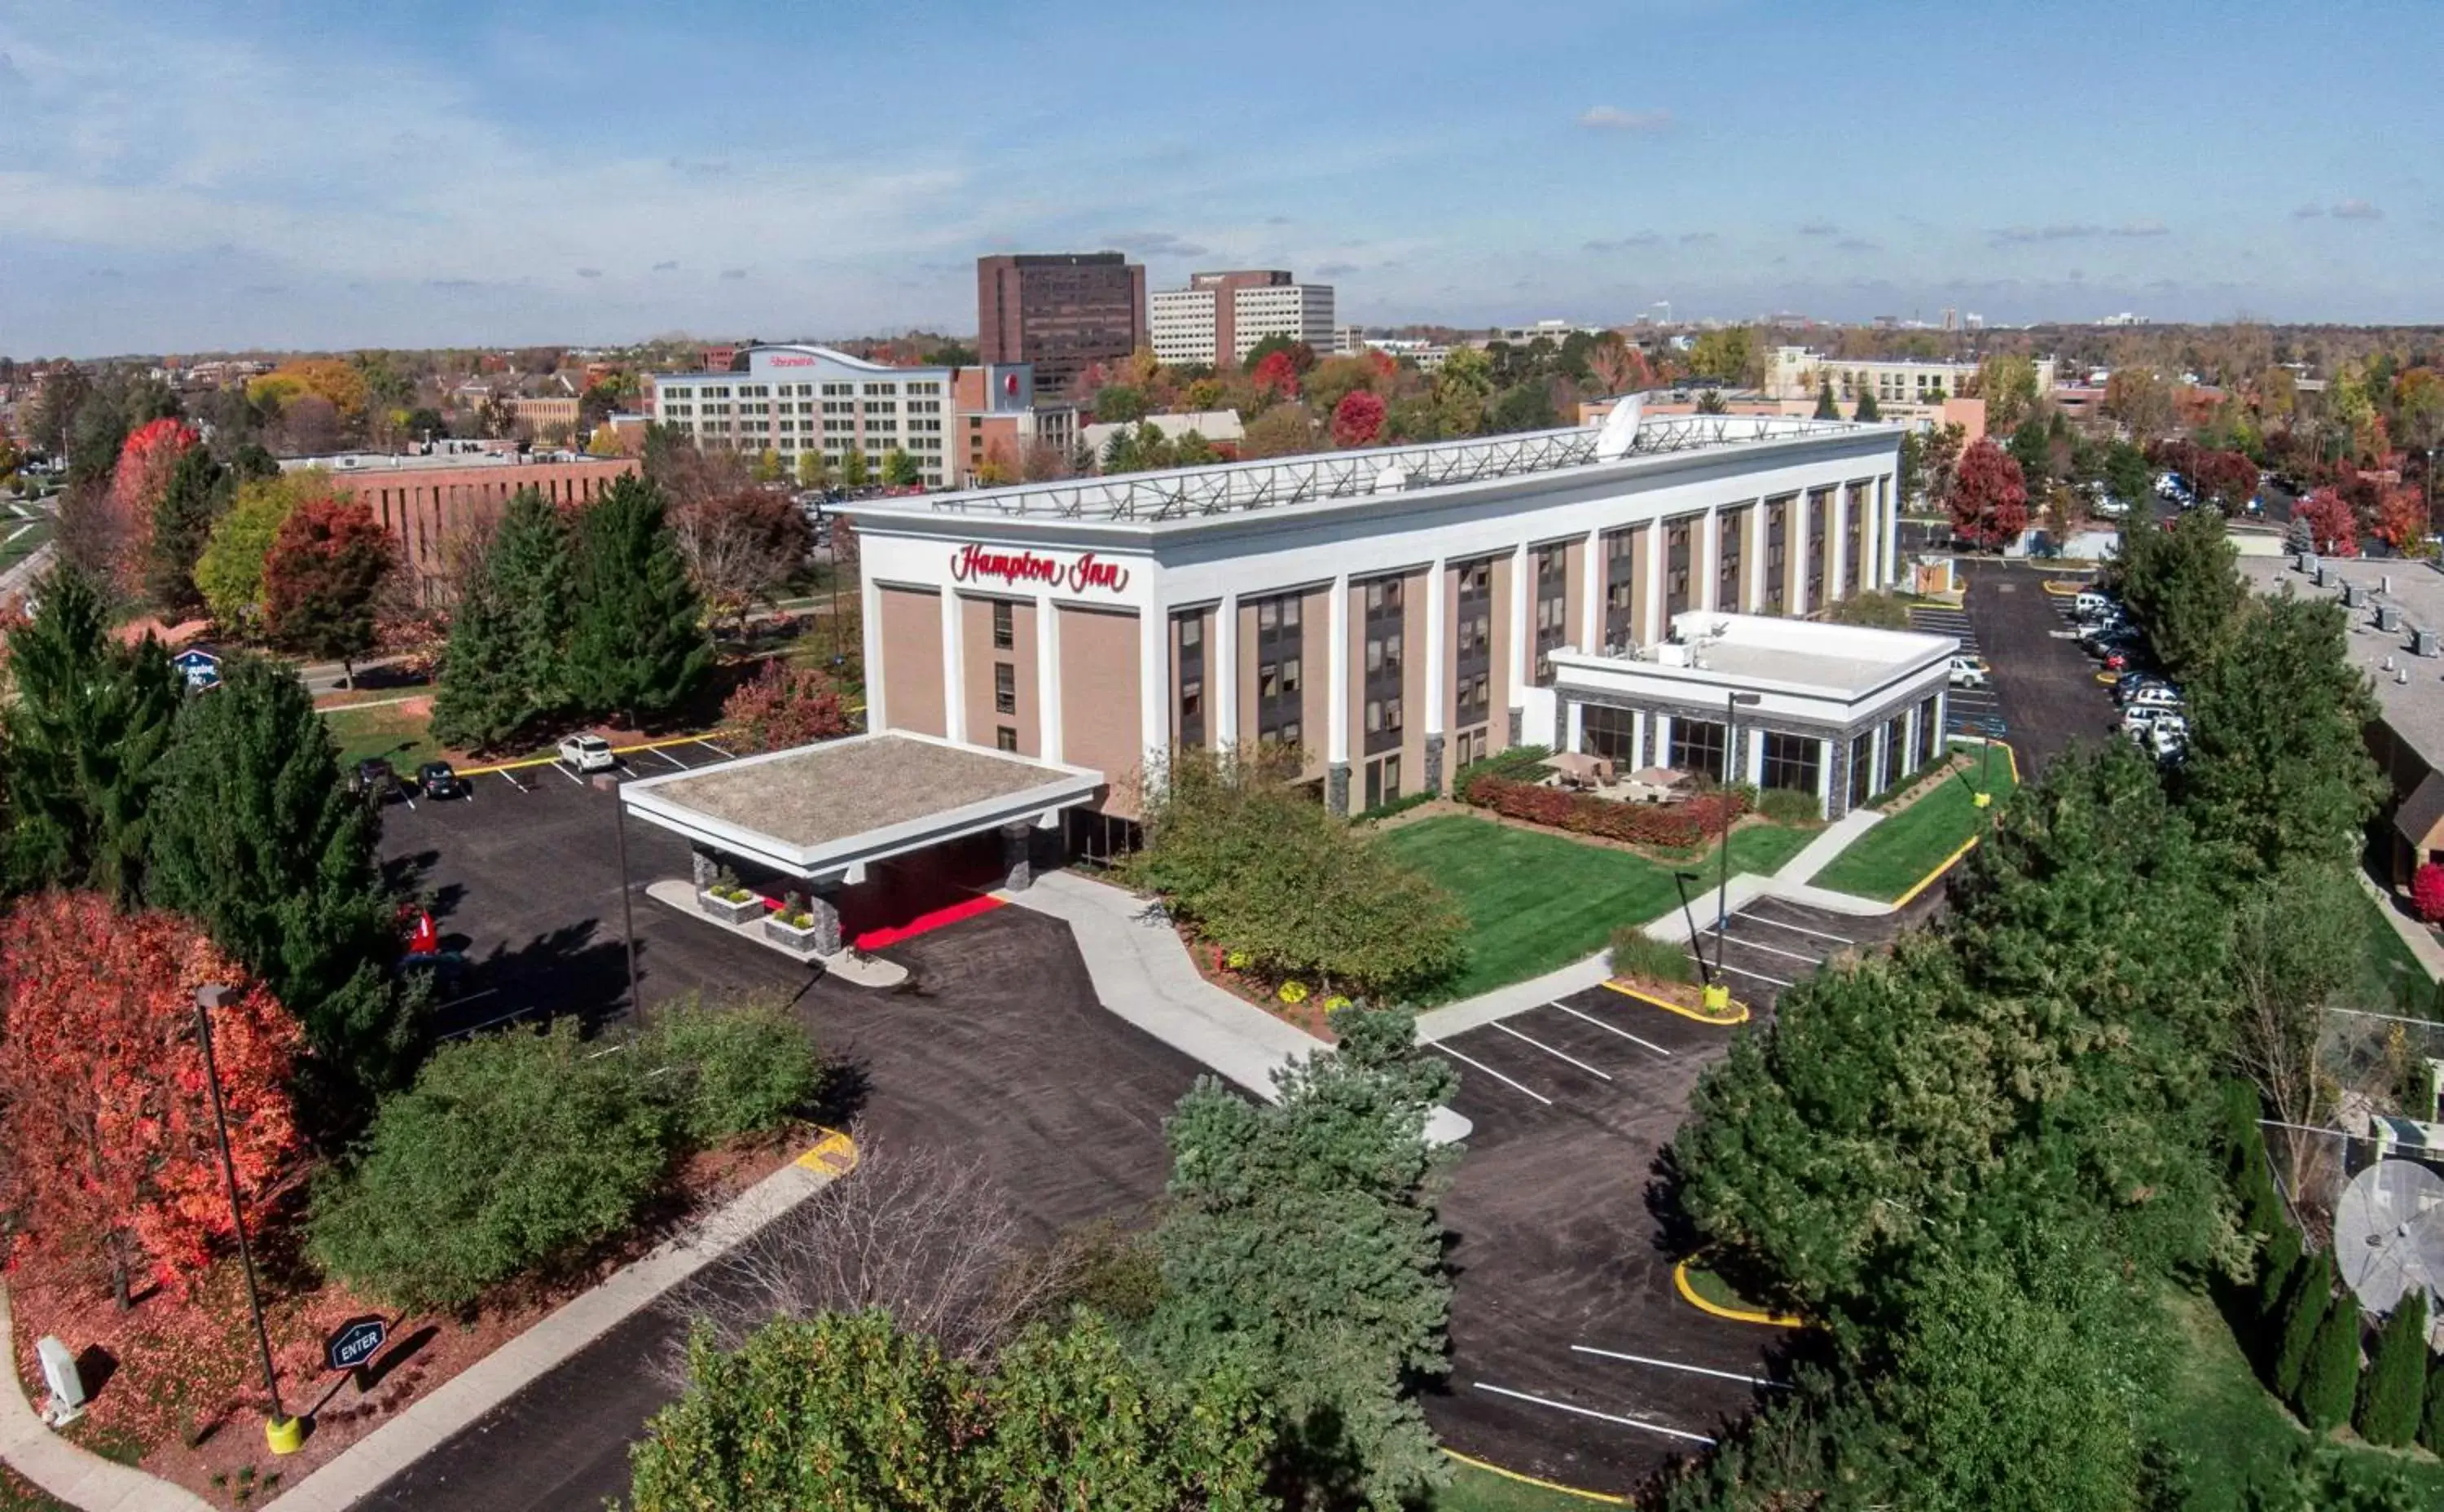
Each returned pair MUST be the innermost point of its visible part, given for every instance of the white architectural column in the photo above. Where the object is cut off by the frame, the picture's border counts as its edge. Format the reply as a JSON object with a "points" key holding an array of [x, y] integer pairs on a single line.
{"points": [[1708, 565], [1575, 737], [1522, 634], [870, 594], [1438, 651], [1650, 627], [1048, 677], [1222, 673], [1753, 759], [1661, 754], [955, 681], [1336, 717], [1752, 553], [1840, 525], [1825, 776], [1154, 684], [1798, 541], [1637, 740], [1888, 488], [1591, 594], [1910, 738]]}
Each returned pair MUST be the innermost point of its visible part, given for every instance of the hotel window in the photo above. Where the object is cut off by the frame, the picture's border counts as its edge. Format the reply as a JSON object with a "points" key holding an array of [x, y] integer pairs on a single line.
{"points": [[1383, 594], [1004, 738], [1477, 577], [1675, 567], [1192, 631], [1383, 655], [1609, 732], [1005, 688], [1004, 637], [1383, 780], [1792, 762], [1697, 746]]}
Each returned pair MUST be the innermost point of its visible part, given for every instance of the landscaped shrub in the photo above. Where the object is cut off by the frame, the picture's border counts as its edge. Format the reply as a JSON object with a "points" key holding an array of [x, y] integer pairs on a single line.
{"points": [[2277, 1265], [1881, 611], [1677, 826], [1788, 806], [2304, 1308], [2427, 892], [1517, 761], [746, 1068], [1399, 805], [1635, 952], [2331, 1381], [2430, 1422], [2396, 1387], [511, 1151]]}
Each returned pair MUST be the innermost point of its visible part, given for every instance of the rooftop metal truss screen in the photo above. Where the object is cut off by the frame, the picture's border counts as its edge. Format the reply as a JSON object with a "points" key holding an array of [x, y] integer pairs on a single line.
{"points": [[1185, 492]]}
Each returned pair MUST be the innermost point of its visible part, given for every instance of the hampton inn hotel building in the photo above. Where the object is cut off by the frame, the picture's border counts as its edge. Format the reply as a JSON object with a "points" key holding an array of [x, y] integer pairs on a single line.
{"points": [[1396, 613]]}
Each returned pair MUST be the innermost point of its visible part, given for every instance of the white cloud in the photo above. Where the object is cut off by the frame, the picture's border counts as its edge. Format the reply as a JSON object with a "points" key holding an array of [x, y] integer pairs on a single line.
{"points": [[1612, 117], [2357, 210], [2142, 227]]}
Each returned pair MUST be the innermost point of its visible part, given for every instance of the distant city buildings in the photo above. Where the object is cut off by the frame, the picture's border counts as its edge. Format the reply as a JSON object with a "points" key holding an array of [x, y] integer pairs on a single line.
{"points": [[1060, 313], [1221, 316], [1905, 390], [795, 400]]}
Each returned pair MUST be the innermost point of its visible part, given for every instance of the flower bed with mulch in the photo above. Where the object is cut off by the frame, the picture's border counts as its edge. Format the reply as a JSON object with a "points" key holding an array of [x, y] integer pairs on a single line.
{"points": [[1692, 822], [175, 1382], [1686, 997], [1305, 1008]]}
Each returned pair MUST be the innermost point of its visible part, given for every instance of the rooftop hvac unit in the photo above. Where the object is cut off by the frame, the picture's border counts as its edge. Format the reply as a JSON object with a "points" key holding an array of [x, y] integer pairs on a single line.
{"points": [[2422, 641], [2384, 582], [2308, 563], [2323, 574], [2388, 616], [2350, 596]]}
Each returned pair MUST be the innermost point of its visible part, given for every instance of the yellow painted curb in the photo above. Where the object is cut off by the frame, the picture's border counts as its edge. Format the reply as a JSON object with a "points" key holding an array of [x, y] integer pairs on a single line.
{"points": [[616, 750], [2108, 678], [1931, 877], [2064, 590], [1737, 1315], [1742, 1017], [1529, 1480], [834, 1154]]}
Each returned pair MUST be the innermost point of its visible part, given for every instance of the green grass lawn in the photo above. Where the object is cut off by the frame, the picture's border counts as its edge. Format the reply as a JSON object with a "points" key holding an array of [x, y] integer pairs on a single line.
{"points": [[1475, 1490], [1762, 848], [2391, 979], [25, 544], [2237, 1435], [1534, 902], [1890, 858], [394, 731], [20, 1495]]}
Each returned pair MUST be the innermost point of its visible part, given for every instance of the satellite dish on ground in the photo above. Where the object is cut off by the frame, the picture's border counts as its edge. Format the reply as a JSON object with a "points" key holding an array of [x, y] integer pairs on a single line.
{"points": [[2389, 1234], [1620, 431]]}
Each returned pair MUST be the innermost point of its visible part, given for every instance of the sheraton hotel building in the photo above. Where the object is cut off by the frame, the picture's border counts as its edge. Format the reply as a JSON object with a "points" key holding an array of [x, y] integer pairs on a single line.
{"points": [[1395, 614]]}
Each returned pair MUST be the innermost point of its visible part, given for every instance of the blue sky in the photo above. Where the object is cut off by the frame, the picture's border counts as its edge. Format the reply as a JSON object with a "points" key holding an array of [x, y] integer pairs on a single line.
{"points": [[176, 178]]}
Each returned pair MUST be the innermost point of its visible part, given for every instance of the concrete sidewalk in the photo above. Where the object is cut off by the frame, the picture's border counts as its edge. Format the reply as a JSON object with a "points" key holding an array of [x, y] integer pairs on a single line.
{"points": [[2420, 941], [87, 1480], [1141, 972], [1819, 852]]}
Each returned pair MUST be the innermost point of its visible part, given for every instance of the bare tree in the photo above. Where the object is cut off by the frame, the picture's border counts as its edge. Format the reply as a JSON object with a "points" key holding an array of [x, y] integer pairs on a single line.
{"points": [[924, 1233], [740, 546], [2293, 943]]}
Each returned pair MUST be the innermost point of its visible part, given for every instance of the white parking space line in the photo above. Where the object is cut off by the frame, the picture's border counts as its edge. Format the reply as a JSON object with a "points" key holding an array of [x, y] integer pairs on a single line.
{"points": [[1770, 949], [562, 767], [1471, 1060], [1675, 1365], [716, 749], [1550, 1051], [1741, 971], [512, 781], [672, 760], [1589, 1411], [1795, 929], [1611, 1029]]}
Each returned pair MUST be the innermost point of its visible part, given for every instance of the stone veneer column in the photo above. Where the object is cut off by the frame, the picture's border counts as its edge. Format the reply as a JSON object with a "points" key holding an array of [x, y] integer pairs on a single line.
{"points": [[1017, 855]]}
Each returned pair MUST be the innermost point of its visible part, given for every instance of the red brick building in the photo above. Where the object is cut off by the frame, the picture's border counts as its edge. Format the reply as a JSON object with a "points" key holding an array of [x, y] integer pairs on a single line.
{"points": [[1062, 311], [431, 501]]}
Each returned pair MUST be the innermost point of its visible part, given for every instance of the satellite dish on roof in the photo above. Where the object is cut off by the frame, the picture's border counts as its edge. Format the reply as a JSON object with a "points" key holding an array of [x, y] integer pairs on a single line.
{"points": [[1620, 431], [2389, 1234]]}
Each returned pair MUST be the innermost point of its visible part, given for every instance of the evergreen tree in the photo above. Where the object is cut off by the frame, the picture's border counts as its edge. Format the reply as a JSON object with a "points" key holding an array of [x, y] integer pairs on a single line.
{"points": [[1866, 410], [639, 646], [484, 695], [2331, 1381], [2181, 585], [2278, 1266], [2430, 1421], [86, 736], [264, 845], [2396, 1388], [533, 574], [2303, 1310], [1826, 408], [182, 524]]}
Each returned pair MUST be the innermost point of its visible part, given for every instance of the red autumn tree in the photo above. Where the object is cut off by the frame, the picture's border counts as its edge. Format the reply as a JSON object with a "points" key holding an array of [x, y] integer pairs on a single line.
{"points": [[2333, 525], [2227, 480], [1277, 375], [1989, 498], [2427, 892], [2401, 520], [113, 1162], [1358, 418], [782, 707], [146, 459], [323, 580]]}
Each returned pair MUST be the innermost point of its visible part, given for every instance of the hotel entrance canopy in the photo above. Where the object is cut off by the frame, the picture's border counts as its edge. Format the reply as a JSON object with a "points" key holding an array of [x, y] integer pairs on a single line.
{"points": [[826, 812]]}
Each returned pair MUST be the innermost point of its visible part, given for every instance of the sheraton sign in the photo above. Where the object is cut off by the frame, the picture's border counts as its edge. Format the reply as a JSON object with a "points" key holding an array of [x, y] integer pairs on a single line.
{"points": [[973, 563]]}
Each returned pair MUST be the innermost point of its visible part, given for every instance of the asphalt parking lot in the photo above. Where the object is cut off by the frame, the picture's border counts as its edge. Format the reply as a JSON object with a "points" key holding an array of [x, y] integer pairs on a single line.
{"points": [[1574, 1358], [997, 1050], [2045, 692]]}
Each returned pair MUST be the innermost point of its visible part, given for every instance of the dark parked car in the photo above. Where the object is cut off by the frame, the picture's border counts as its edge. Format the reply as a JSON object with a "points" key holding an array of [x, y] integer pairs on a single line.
{"points": [[439, 780], [373, 780]]}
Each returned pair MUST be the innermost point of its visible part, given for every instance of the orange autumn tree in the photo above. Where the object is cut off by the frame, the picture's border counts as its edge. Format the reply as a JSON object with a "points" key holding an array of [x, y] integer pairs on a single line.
{"points": [[146, 460], [113, 1169]]}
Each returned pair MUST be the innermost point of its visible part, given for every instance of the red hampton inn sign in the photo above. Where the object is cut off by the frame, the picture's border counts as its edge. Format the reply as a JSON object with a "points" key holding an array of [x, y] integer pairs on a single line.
{"points": [[972, 563]]}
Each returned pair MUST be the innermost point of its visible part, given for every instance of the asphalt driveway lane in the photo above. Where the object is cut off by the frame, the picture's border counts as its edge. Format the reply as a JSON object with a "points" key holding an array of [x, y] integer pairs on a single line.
{"points": [[1001, 1052], [2044, 685]]}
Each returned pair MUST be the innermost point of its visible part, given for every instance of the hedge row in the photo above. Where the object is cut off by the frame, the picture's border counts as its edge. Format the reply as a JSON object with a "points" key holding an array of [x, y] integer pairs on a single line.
{"points": [[1679, 826]]}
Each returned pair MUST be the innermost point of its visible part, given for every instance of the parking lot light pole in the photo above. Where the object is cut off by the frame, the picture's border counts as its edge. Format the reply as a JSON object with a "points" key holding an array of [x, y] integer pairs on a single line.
{"points": [[1732, 704], [282, 1433], [628, 906]]}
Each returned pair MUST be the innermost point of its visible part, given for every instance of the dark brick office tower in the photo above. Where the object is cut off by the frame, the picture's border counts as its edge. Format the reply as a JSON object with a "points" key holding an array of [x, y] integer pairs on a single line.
{"points": [[1061, 311]]}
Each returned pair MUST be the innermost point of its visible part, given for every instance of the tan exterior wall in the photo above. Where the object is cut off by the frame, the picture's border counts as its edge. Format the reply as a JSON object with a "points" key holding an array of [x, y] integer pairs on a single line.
{"points": [[910, 641], [1315, 679], [1171, 648], [1642, 545], [1245, 733], [1574, 591], [1099, 723], [977, 659]]}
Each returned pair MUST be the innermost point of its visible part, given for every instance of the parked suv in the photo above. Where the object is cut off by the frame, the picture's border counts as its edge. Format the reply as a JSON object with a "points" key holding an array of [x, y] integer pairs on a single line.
{"points": [[1968, 671], [587, 753]]}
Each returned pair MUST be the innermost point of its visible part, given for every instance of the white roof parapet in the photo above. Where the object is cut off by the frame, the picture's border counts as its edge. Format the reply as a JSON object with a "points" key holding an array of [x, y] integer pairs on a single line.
{"points": [[1228, 487]]}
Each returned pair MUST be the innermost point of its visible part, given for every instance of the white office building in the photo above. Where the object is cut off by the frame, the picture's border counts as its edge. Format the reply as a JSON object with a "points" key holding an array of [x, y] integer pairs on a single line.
{"points": [[1221, 316], [1801, 373], [1303, 312], [795, 400], [1183, 325]]}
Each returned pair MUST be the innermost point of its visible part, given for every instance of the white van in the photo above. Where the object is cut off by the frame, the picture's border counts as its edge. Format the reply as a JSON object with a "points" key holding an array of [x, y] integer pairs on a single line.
{"points": [[2089, 604]]}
